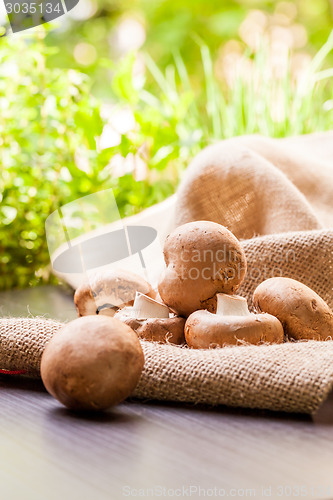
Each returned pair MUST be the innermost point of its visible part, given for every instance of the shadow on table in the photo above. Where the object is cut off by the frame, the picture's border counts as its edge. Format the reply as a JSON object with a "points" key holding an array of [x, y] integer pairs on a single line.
{"points": [[111, 416], [17, 382], [324, 415], [227, 410]]}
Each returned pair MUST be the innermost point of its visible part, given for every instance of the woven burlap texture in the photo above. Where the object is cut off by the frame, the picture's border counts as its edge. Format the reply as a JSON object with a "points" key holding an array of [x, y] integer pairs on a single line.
{"points": [[277, 197], [290, 377]]}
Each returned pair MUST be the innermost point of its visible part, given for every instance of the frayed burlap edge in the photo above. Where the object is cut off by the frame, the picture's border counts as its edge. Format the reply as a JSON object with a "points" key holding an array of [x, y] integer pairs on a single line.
{"points": [[292, 377]]}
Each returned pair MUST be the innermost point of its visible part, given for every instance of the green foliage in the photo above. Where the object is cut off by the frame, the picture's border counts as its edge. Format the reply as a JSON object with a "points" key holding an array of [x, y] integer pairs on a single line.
{"points": [[45, 116], [51, 127], [169, 25]]}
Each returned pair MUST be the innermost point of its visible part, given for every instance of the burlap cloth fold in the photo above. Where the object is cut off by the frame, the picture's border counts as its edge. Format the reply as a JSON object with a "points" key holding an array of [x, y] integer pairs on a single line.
{"points": [[277, 197]]}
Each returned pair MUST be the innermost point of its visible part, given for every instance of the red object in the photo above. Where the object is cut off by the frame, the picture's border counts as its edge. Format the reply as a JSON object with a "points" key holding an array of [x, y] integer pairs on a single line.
{"points": [[12, 372]]}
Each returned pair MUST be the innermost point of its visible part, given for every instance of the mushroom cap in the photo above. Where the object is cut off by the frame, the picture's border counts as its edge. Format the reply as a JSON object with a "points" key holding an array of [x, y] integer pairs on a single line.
{"points": [[92, 363], [302, 312], [202, 258], [106, 292], [204, 330], [163, 330]]}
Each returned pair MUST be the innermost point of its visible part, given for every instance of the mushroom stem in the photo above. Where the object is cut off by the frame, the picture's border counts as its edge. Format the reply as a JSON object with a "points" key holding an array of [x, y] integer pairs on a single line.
{"points": [[231, 305], [145, 307]]}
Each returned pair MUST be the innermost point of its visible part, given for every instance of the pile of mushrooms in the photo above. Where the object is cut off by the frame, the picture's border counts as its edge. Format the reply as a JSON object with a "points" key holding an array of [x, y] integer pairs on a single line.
{"points": [[196, 301], [205, 266], [96, 360]]}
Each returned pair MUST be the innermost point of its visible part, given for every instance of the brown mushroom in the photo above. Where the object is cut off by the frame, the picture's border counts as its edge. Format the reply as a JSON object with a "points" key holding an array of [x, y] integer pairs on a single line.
{"points": [[151, 320], [106, 293], [92, 363], [202, 258], [302, 312], [232, 324]]}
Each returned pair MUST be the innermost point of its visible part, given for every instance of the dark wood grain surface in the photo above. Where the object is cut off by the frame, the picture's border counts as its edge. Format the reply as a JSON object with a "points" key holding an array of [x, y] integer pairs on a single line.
{"points": [[151, 449]]}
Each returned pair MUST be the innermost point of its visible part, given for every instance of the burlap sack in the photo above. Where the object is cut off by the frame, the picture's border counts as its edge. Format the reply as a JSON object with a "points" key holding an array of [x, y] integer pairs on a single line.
{"points": [[277, 197]]}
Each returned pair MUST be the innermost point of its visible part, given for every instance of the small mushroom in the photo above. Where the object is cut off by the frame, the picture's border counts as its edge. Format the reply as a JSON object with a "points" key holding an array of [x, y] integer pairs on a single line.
{"points": [[151, 320], [106, 293], [302, 312], [92, 363], [232, 324], [202, 258]]}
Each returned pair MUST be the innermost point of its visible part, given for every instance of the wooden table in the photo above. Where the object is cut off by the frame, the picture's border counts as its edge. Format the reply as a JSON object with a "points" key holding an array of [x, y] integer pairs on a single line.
{"points": [[151, 450]]}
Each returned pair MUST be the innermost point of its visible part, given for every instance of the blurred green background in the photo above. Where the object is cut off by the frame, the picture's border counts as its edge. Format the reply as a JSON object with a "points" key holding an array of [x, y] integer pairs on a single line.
{"points": [[123, 94]]}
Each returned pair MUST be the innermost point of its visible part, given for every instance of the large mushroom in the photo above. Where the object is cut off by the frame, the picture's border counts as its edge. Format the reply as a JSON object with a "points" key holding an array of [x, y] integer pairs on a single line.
{"points": [[92, 363], [151, 320], [105, 293], [202, 258], [302, 312], [232, 324]]}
